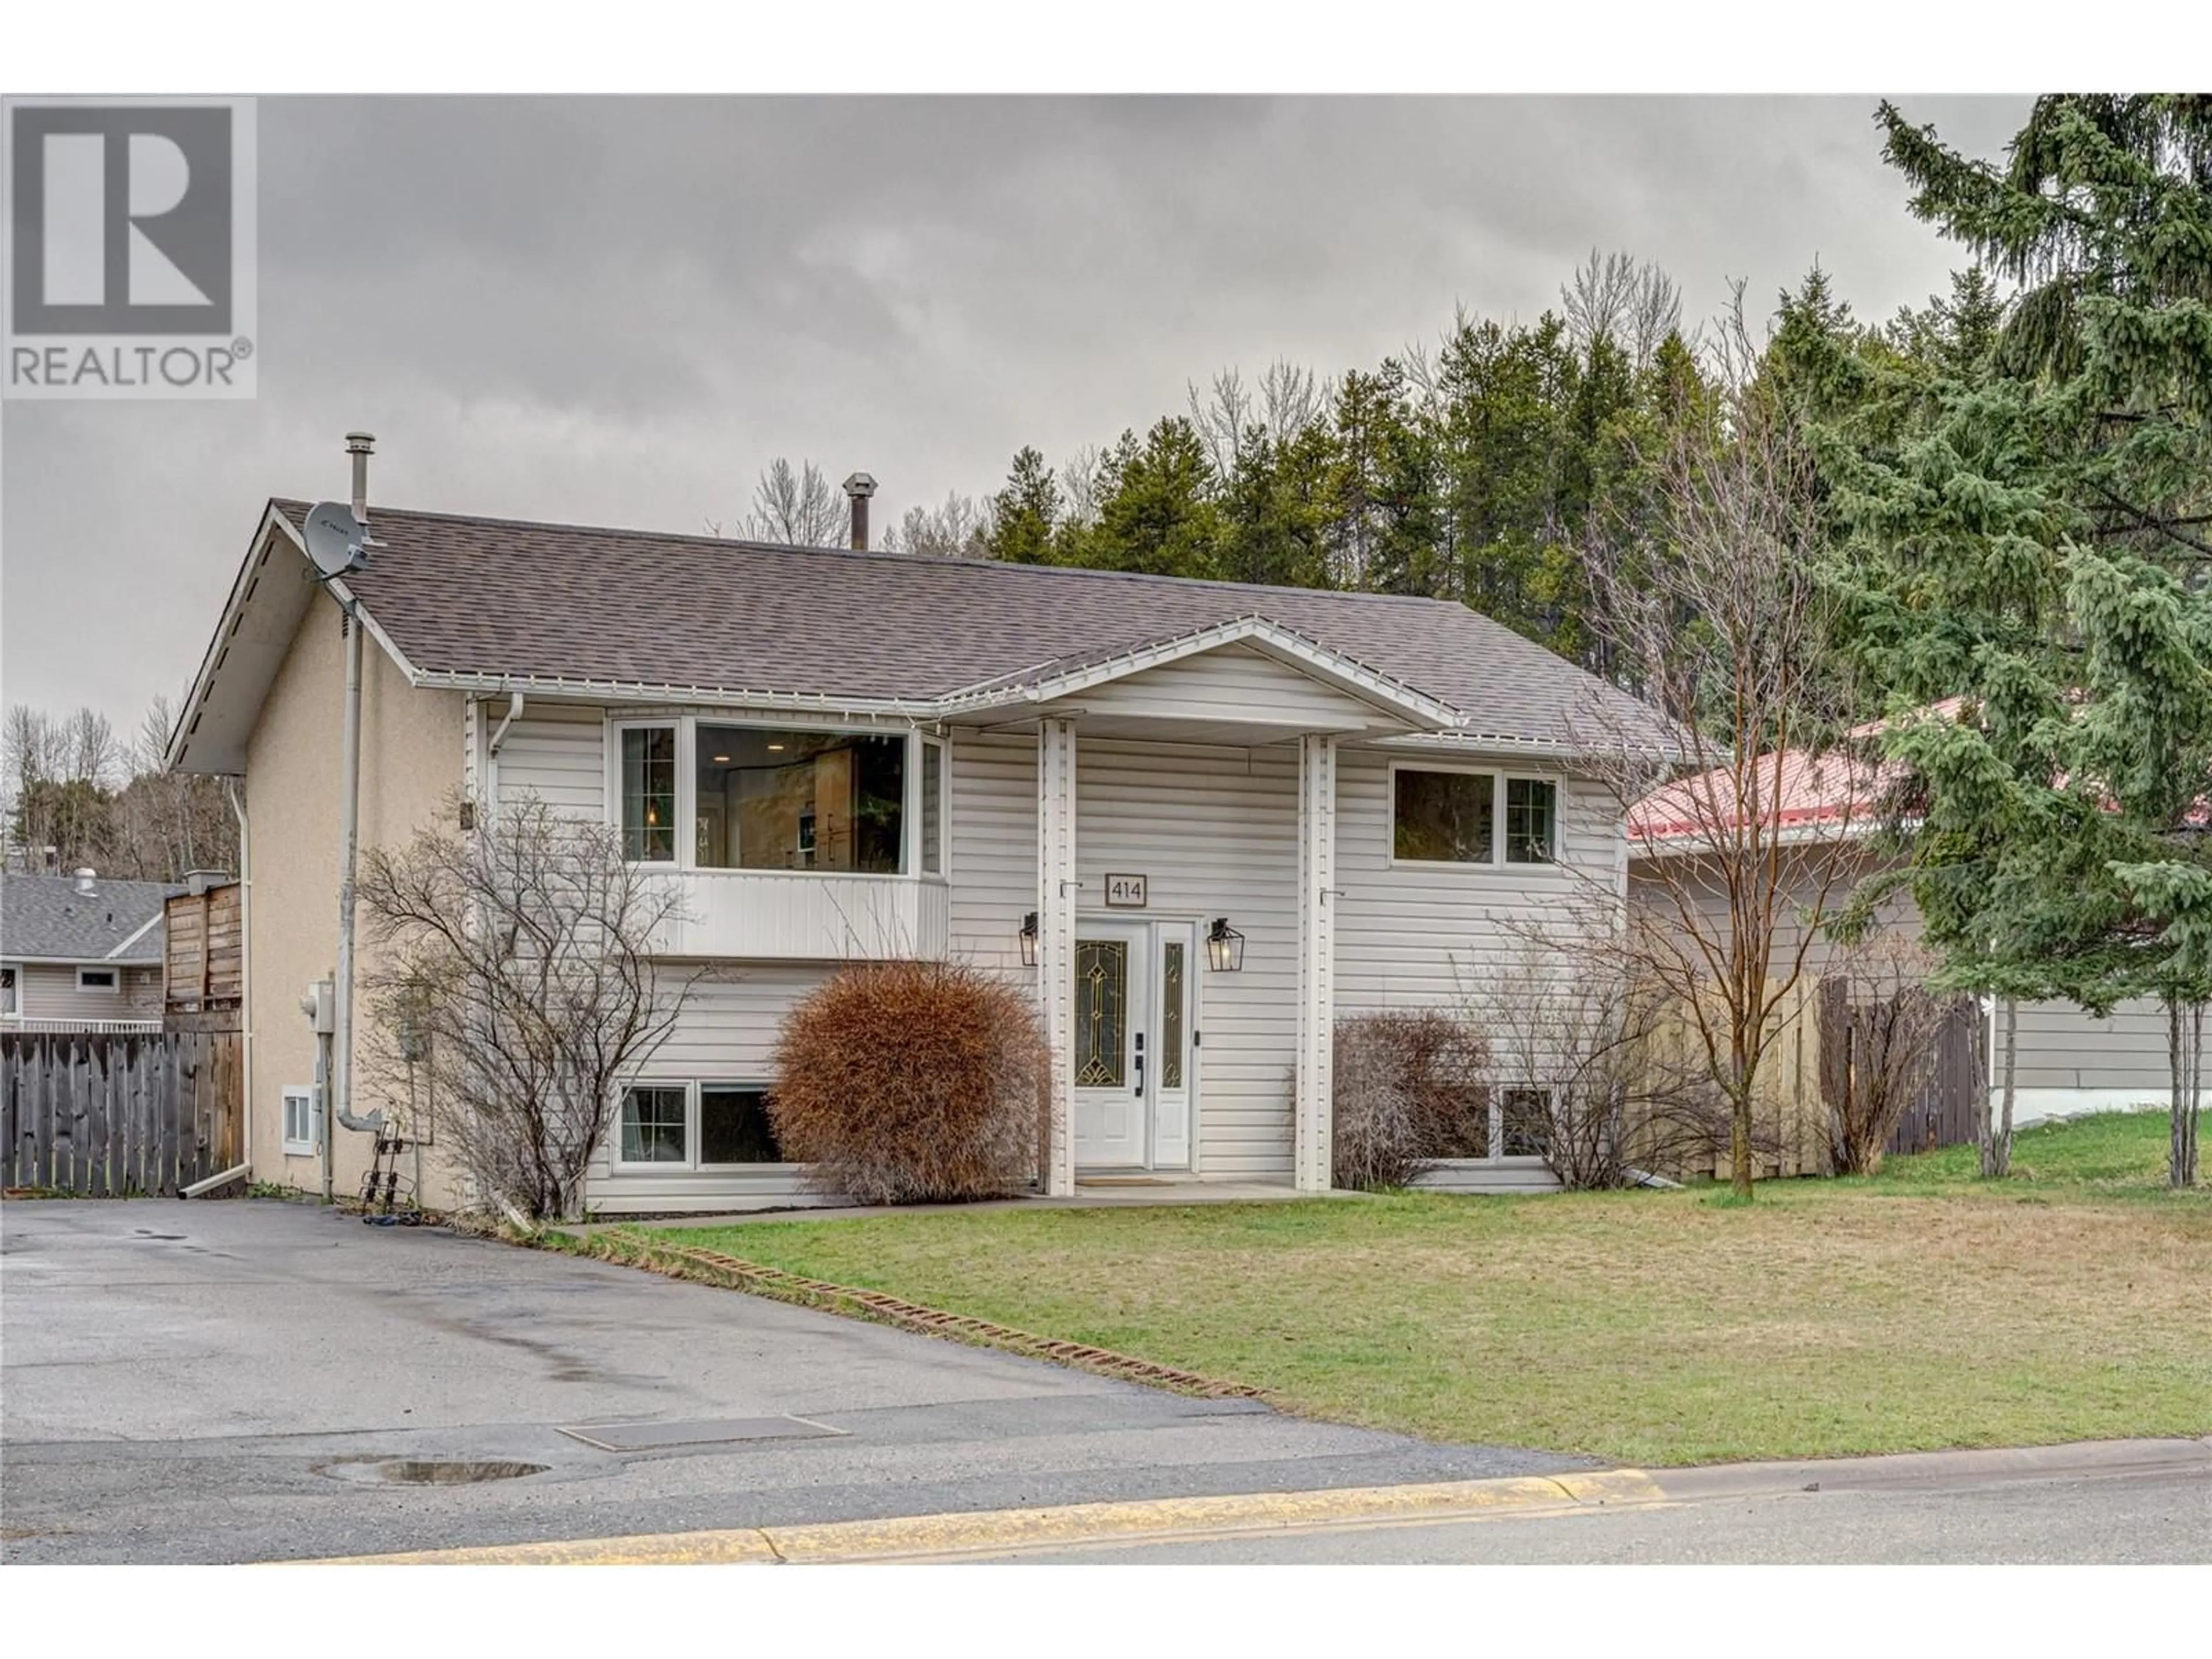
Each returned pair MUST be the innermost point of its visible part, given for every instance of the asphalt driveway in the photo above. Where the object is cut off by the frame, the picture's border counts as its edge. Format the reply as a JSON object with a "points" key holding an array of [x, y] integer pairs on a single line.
{"points": [[230, 1382]]}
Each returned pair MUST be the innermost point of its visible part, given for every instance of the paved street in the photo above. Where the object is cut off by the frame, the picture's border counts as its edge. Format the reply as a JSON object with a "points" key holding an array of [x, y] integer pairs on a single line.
{"points": [[2163, 1516], [208, 1381]]}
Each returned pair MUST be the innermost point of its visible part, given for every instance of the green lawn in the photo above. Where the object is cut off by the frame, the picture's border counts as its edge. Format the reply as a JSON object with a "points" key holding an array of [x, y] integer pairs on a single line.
{"points": [[1921, 1308]]}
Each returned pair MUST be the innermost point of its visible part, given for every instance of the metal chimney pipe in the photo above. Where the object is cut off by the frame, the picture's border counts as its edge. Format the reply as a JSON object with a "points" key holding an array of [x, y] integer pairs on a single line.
{"points": [[360, 445], [859, 488]]}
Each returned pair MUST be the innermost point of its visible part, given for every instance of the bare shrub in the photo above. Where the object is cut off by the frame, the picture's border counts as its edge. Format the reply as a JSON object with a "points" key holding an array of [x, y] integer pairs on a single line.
{"points": [[1409, 1088], [913, 1082], [515, 982], [1580, 1041], [1879, 1024]]}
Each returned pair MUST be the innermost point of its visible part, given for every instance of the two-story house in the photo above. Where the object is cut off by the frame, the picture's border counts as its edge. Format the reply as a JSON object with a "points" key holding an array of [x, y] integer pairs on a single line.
{"points": [[1201, 820]]}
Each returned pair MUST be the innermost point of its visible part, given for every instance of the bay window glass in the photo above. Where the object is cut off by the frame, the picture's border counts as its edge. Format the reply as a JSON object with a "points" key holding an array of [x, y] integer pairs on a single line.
{"points": [[649, 793], [1442, 817], [798, 800], [932, 809], [734, 1127]]}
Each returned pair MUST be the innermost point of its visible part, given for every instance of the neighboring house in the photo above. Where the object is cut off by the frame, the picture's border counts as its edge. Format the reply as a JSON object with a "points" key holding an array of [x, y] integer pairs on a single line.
{"points": [[2066, 1061], [848, 754], [81, 953]]}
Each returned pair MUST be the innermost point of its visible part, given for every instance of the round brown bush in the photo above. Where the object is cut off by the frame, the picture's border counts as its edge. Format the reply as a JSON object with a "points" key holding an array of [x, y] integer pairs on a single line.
{"points": [[913, 1082]]}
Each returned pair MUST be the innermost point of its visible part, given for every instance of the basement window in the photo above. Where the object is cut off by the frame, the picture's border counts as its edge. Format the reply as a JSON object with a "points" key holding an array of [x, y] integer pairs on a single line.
{"points": [[654, 1129], [695, 1125], [302, 1127]]}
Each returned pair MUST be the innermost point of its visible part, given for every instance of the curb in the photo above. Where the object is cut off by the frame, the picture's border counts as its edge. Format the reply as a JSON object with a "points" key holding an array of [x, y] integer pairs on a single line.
{"points": [[926, 1537], [732, 1272]]}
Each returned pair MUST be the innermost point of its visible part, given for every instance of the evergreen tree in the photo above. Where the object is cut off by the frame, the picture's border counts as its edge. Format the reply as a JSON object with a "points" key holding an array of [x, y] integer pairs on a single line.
{"points": [[1026, 512], [2027, 486]]}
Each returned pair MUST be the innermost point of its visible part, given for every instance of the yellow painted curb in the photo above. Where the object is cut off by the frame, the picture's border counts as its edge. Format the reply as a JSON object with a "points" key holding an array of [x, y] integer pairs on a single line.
{"points": [[996, 1531]]}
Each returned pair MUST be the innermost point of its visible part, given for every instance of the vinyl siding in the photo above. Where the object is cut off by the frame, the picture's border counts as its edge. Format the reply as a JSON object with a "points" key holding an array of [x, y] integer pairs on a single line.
{"points": [[1216, 831], [726, 1034], [1234, 683], [1415, 936], [47, 990], [556, 752]]}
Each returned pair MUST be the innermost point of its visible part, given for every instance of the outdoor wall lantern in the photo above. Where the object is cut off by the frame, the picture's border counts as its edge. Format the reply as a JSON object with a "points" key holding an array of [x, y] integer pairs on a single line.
{"points": [[1028, 939], [1224, 947]]}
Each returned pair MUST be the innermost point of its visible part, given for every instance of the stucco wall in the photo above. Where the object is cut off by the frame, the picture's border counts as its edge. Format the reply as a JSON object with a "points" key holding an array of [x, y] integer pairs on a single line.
{"points": [[410, 763]]}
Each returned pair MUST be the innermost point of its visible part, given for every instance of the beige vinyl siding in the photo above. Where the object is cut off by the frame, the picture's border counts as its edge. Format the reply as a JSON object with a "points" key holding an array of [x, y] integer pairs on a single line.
{"points": [[48, 990], [556, 752], [1468, 1174], [1411, 936], [993, 856], [2060, 1047], [1216, 831], [726, 1034], [1233, 683]]}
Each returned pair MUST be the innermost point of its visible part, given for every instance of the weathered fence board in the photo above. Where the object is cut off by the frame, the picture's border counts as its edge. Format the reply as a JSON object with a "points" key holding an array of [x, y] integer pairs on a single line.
{"points": [[115, 1114]]}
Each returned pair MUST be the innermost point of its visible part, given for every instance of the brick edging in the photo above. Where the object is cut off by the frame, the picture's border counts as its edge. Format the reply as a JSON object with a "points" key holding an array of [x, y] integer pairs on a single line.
{"points": [[732, 1272]]}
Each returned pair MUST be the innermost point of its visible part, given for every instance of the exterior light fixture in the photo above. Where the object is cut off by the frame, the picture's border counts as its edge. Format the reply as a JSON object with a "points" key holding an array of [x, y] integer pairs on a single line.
{"points": [[1224, 947], [722, 760], [1028, 939]]}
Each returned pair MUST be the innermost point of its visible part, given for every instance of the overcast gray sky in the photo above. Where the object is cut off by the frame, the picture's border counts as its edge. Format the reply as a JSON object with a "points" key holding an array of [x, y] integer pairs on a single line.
{"points": [[616, 311]]}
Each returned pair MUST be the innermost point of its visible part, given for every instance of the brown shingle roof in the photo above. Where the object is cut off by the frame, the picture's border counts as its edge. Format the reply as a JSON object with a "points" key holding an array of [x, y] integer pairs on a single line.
{"points": [[498, 598]]}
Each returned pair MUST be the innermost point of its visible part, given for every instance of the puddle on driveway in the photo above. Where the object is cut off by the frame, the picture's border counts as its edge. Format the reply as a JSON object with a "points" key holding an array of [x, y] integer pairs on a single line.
{"points": [[428, 1471]]}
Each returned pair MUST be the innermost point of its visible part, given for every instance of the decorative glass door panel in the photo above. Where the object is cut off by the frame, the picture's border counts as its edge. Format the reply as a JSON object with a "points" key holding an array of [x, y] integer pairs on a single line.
{"points": [[1101, 1013]]}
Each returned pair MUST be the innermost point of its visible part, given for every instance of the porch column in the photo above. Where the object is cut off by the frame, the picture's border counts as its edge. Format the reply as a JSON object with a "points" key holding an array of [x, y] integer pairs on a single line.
{"points": [[1317, 959], [1056, 894]]}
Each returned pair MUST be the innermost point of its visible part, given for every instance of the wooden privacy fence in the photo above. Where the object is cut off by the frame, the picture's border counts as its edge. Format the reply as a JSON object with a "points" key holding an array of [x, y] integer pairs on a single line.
{"points": [[1942, 1113], [114, 1115]]}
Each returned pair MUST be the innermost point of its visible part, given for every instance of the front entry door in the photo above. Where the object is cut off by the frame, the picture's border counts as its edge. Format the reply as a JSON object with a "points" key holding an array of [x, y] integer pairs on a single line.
{"points": [[1112, 992], [1134, 1043]]}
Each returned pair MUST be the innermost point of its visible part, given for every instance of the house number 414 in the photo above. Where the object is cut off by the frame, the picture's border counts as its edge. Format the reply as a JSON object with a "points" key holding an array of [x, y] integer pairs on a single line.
{"points": [[1125, 893]]}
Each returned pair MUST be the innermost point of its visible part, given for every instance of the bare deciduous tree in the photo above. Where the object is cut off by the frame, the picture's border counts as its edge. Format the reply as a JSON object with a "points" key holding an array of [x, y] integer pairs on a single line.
{"points": [[1611, 296], [1717, 618], [514, 985], [797, 508], [952, 530], [1878, 1023], [1081, 483]]}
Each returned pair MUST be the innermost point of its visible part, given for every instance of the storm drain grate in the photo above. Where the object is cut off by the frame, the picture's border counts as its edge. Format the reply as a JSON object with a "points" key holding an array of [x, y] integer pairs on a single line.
{"points": [[712, 1431]]}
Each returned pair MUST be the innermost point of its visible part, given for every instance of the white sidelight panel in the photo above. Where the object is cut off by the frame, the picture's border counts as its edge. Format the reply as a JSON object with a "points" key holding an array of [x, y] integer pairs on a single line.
{"points": [[1316, 960], [1056, 898]]}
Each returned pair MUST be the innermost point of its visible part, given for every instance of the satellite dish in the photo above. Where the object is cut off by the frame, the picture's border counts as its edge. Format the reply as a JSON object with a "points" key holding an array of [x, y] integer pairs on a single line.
{"points": [[336, 539]]}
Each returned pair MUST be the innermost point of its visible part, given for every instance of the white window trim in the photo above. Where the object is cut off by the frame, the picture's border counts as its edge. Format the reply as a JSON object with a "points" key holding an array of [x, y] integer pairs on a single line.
{"points": [[687, 791], [1498, 776], [112, 988], [1558, 825], [924, 743], [648, 1166], [693, 1162], [308, 1093]]}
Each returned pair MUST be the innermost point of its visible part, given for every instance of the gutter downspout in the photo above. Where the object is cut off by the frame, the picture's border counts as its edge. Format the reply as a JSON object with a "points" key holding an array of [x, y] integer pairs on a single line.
{"points": [[349, 850], [245, 955], [514, 714]]}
